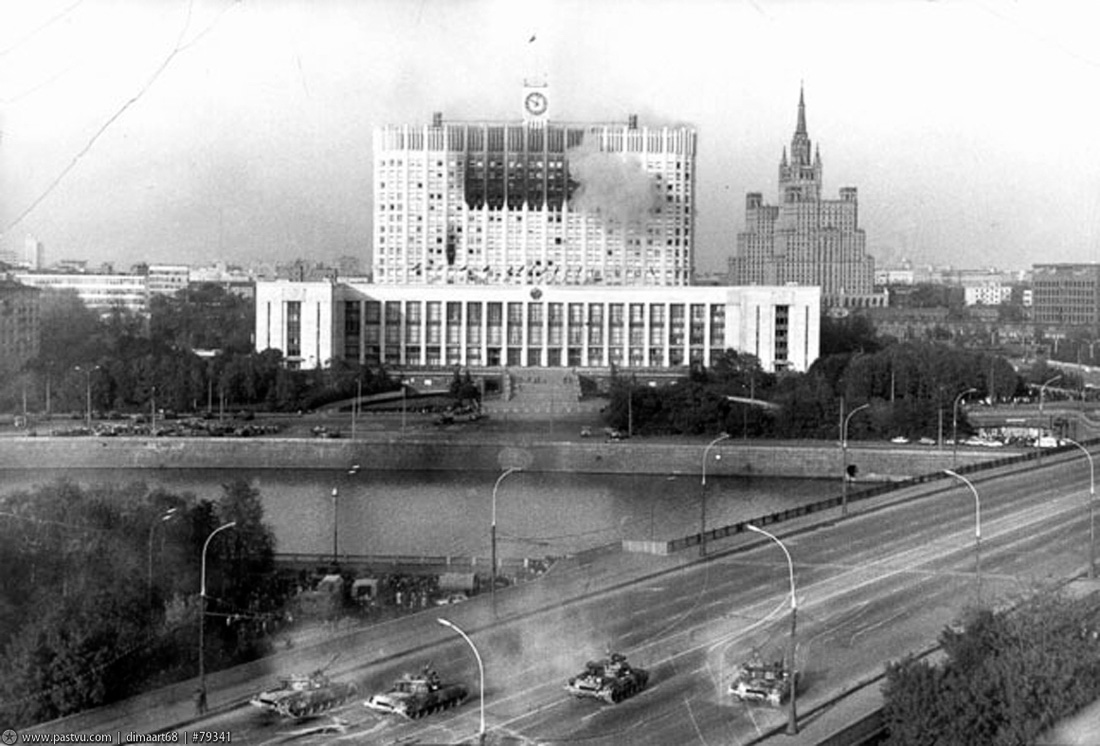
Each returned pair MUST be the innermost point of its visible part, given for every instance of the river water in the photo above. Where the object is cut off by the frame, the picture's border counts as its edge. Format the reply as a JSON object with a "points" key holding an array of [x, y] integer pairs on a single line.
{"points": [[449, 513]]}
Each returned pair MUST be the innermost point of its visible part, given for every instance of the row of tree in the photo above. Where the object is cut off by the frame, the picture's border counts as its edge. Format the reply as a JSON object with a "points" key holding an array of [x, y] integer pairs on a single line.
{"points": [[1007, 676], [193, 353], [99, 598], [912, 390]]}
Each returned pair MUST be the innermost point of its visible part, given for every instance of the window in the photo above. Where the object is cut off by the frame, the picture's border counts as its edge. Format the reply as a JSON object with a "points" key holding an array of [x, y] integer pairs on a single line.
{"points": [[293, 328]]}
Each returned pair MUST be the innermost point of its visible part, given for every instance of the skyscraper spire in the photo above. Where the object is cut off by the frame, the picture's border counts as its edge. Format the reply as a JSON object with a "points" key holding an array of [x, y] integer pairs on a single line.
{"points": [[801, 128]]}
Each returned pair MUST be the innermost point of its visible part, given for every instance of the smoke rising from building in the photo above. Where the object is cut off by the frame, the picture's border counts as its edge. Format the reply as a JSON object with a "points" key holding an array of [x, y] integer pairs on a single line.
{"points": [[616, 188]]}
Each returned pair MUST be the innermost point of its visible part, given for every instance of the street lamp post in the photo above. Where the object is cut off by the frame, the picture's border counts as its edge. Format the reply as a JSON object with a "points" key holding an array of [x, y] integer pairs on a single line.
{"points": [[335, 525], [844, 459], [792, 713], [703, 505], [480, 671], [955, 426], [163, 518], [1039, 429], [1042, 391], [336, 516], [88, 392], [977, 529], [493, 538], [1092, 509], [202, 615]]}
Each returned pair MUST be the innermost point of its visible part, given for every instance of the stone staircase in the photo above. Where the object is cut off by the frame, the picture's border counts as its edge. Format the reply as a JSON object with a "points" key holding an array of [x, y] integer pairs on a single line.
{"points": [[541, 392]]}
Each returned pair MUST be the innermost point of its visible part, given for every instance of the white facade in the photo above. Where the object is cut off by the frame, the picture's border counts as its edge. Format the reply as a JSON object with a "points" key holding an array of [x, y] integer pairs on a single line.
{"points": [[987, 294], [313, 323], [168, 279], [99, 292], [533, 202], [34, 253]]}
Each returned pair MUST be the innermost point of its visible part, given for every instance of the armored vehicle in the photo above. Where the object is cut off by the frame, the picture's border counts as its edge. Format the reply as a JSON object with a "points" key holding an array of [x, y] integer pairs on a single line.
{"points": [[763, 682], [417, 695], [611, 679], [303, 695]]}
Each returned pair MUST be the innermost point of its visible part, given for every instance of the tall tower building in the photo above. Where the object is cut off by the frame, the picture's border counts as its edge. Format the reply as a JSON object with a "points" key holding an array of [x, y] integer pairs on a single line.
{"points": [[533, 202], [34, 253], [806, 240]]}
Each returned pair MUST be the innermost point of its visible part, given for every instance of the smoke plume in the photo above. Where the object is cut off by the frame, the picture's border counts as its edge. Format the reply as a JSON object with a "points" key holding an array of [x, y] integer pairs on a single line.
{"points": [[614, 186]]}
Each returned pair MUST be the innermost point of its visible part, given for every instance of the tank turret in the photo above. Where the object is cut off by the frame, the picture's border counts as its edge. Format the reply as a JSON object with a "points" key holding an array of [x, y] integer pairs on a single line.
{"points": [[304, 695], [763, 682], [611, 679], [416, 695]]}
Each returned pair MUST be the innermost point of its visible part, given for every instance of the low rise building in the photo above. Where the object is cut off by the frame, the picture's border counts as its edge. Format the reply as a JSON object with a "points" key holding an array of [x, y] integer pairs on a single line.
{"points": [[656, 327], [100, 292], [168, 279], [1066, 295]]}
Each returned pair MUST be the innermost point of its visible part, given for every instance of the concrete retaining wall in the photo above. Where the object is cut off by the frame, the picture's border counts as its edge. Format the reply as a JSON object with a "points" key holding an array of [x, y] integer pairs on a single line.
{"points": [[774, 459]]}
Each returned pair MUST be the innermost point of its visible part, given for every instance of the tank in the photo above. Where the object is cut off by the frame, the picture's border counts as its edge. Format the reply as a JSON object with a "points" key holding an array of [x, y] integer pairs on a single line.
{"points": [[763, 682], [611, 679], [416, 695], [304, 695]]}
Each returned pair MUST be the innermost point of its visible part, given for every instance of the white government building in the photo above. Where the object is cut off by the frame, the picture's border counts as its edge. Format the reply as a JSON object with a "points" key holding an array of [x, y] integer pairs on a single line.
{"points": [[534, 244]]}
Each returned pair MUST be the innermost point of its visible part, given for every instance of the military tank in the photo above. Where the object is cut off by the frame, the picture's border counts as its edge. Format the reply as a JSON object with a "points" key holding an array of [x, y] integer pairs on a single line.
{"points": [[416, 695], [763, 682], [304, 695], [610, 679]]}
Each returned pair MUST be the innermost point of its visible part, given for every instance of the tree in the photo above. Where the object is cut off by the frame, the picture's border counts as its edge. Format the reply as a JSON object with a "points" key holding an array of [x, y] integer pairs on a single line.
{"points": [[1007, 675], [853, 333], [79, 626], [464, 390]]}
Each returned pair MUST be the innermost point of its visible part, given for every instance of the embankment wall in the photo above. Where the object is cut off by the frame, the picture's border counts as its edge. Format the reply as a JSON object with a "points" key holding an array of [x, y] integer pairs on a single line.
{"points": [[730, 458]]}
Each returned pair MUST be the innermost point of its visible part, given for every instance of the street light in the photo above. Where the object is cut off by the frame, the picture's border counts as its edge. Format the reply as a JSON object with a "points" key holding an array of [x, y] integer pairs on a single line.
{"points": [[844, 458], [792, 714], [202, 615], [493, 538], [1039, 430], [163, 518], [355, 405], [88, 391], [1092, 510], [403, 385], [703, 508], [336, 515], [1042, 389], [335, 525], [481, 674], [955, 426], [977, 528]]}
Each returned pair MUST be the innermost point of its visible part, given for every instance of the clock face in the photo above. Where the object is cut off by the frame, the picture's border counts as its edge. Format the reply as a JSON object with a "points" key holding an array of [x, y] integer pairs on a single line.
{"points": [[535, 103]]}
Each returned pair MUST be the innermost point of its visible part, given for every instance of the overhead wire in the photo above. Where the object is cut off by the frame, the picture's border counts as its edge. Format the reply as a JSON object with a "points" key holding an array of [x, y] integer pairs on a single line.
{"points": [[179, 47], [40, 28]]}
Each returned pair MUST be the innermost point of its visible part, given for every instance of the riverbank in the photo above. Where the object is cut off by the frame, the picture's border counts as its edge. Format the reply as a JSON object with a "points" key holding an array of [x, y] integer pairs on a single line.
{"points": [[473, 452]]}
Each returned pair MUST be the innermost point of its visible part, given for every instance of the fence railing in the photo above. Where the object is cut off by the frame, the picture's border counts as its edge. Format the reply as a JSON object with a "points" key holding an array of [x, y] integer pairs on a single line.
{"points": [[449, 563], [722, 532]]}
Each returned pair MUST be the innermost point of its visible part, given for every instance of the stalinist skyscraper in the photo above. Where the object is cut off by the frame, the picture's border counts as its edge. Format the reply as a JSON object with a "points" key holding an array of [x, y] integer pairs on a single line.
{"points": [[806, 240]]}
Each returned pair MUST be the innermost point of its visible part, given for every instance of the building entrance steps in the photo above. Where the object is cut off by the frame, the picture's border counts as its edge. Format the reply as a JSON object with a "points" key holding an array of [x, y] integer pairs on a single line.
{"points": [[546, 391]]}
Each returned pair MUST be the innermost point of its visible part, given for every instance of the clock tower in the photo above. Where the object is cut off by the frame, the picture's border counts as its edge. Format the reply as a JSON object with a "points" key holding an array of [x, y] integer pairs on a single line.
{"points": [[536, 102]]}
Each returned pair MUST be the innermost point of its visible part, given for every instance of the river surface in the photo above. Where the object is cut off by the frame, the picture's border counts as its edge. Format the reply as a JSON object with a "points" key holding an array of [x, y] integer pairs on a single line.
{"points": [[449, 513]]}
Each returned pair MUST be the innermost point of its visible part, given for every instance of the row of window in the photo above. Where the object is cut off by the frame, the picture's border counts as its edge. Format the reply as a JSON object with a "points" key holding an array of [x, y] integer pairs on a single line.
{"points": [[519, 356]]}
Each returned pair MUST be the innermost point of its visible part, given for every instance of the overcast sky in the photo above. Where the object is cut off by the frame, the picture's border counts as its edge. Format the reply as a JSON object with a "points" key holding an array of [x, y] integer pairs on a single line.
{"points": [[198, 130]]}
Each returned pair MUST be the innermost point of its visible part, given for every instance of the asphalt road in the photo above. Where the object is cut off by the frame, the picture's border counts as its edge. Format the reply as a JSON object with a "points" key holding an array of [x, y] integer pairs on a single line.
{"points": [[871, 588]]}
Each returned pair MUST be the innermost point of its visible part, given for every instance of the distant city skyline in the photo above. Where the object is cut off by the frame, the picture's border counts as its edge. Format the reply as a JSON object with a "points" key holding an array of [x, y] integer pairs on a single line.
{"points": [[210, 130]]}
